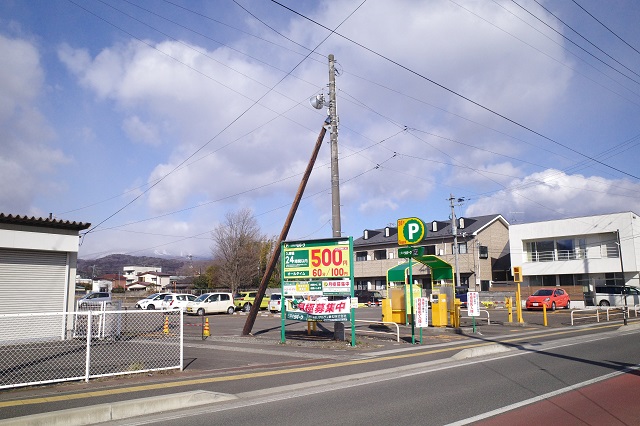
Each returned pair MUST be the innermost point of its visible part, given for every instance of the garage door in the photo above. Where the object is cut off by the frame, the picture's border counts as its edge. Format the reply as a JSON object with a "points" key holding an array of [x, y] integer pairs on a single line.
{"points": [[32, 281]]}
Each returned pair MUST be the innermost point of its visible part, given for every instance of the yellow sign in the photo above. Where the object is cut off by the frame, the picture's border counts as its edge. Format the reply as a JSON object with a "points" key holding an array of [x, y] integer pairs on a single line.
{"points": [[411, 230]]}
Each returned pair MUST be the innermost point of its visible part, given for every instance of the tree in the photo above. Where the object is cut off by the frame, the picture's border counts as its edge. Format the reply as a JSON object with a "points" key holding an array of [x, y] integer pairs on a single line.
{"points": [[237, 249], [201, 282]]}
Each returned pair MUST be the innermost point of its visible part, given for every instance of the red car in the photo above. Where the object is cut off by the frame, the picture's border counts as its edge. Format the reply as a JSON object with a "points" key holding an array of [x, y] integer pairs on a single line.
{"points": [[552, 298]]}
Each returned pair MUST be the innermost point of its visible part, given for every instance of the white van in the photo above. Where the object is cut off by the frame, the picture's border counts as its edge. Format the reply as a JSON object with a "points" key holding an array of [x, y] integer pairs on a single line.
{"points": [[612, 295], [94, 298]]}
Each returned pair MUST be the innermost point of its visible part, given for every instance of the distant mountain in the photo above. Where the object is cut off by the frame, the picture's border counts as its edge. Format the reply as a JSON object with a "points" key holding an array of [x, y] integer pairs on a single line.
{"points": [[114, 263]]}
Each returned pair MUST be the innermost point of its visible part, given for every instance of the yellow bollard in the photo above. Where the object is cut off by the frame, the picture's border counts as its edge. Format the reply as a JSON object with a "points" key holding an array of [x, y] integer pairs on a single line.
{"points": [[544, 314], [309, 326], [519, 305], [205, 331], [165, 330], [507, 302]]}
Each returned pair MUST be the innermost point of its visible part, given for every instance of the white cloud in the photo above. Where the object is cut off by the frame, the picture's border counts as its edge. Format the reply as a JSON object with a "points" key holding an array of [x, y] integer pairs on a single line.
{"points": [[554, 194], [137, 130], [26, 157]]}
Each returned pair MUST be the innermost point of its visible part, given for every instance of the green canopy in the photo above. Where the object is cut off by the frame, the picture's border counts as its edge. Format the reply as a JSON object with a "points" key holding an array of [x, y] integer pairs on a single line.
{"points": [[440, 270]]}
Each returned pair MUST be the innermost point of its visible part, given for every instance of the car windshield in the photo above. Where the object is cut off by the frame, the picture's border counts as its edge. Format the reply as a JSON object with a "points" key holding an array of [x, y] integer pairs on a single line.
{"points": [[153, 296], [202, 297], [275, 297], [543, 293]]}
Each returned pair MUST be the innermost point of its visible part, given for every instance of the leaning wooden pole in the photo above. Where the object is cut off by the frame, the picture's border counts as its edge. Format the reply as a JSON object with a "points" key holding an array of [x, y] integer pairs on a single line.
{"points": [[253, 313]]}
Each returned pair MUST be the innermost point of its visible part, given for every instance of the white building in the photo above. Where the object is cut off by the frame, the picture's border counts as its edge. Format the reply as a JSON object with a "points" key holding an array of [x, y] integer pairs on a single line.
{"points": [[38, 258], [131, 272], [581, 251]]}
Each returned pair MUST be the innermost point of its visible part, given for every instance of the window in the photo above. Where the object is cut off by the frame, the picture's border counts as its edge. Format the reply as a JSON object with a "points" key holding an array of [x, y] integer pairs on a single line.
{"points": [[379, 254], [613, 278], [566, 249], [541, 251], [430, 250], [462, 248], [484, 252], [542, 281], [361, 256]]}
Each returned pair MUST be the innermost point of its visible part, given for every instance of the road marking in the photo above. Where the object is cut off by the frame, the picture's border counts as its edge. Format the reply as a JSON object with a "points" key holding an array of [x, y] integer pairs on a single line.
{"points": [[253, 375]]}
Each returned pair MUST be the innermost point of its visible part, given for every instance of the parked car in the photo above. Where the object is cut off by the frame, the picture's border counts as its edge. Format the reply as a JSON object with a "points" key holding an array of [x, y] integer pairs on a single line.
{"points": [[176, 301], [94, 298], [552, 298], [211, 303], [614, 295], [369, 297], [151, 302], [275, 301], [245, 299]]}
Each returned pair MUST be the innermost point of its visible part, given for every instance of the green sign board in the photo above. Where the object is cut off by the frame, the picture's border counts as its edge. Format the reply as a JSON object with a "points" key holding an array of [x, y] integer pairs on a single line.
{"points": [[407, 252]]}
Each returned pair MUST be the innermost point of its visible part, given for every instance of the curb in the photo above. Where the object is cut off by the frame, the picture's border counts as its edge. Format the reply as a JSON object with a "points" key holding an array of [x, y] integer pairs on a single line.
{"points": [[481, 351], [119, 410]]}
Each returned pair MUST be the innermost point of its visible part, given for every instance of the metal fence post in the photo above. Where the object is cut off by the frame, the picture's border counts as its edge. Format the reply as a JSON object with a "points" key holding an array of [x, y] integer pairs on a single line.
{"points": [[88, 358], [182, 340]]}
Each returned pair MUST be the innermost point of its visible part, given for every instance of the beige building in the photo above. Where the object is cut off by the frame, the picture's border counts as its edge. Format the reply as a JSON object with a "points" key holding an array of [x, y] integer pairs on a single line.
{"points": [[483, 253]]}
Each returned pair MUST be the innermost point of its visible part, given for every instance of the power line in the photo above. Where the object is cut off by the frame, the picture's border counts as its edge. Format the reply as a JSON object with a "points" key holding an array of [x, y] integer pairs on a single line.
{"points": [[459, 94], [608, 29]]}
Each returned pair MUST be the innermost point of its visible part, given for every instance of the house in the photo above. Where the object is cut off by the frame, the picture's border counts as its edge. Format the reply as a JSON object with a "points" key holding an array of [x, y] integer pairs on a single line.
{"points": [[156, 279], [38, 258], [110, 282], [578, 253], [483, 243], [131, 272]]}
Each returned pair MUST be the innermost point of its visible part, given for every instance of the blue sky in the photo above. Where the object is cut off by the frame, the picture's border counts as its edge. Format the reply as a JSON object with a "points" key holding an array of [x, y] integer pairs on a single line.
{"points": [[154, 119]]}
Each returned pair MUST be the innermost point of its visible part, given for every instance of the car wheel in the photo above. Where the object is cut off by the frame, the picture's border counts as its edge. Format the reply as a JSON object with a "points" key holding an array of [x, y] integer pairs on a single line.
{"points": [[201, 312], [231, 310], [151, 307], [553, 306], [604, 303], [246, 307], [568, 304]]}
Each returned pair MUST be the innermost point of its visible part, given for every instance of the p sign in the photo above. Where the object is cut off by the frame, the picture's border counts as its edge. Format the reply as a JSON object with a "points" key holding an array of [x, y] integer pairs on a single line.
{"points": [[411, 230]]}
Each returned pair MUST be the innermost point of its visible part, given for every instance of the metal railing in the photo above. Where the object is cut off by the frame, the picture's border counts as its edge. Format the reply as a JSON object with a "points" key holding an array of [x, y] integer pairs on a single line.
{"points": [[616, 312], [480, 317], [41, 348], [397, 333]]}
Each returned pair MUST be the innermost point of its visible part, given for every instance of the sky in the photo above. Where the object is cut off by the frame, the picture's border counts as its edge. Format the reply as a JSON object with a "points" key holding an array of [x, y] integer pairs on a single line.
{"points": [[153, 120]]}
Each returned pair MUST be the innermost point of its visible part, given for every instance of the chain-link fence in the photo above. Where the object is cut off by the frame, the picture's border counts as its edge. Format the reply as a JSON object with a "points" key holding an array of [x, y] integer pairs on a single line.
{"points": [[39, 348]]}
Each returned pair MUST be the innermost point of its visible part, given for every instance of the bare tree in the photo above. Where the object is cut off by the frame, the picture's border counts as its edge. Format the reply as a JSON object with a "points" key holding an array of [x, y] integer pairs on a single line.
{"points": [[237, 249]]}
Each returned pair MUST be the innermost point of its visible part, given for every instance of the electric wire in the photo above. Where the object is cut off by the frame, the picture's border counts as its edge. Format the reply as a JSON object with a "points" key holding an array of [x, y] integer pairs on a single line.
{"points": [[608, 29], [461, 96]]}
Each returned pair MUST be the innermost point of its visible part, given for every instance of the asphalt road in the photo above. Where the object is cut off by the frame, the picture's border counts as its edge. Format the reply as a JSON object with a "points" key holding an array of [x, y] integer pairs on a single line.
{"points": [[562, 381], [260, 372]]}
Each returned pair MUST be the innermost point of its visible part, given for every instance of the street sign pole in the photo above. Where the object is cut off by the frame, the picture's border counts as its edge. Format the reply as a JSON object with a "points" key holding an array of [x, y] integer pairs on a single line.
{"points": [[413, 317]]}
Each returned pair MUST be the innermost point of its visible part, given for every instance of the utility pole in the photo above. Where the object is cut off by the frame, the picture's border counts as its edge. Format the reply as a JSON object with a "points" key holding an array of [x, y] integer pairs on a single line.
{"points": [[253, 313], [335, 175], [625, 315], [454, 231], [478, 277]]}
